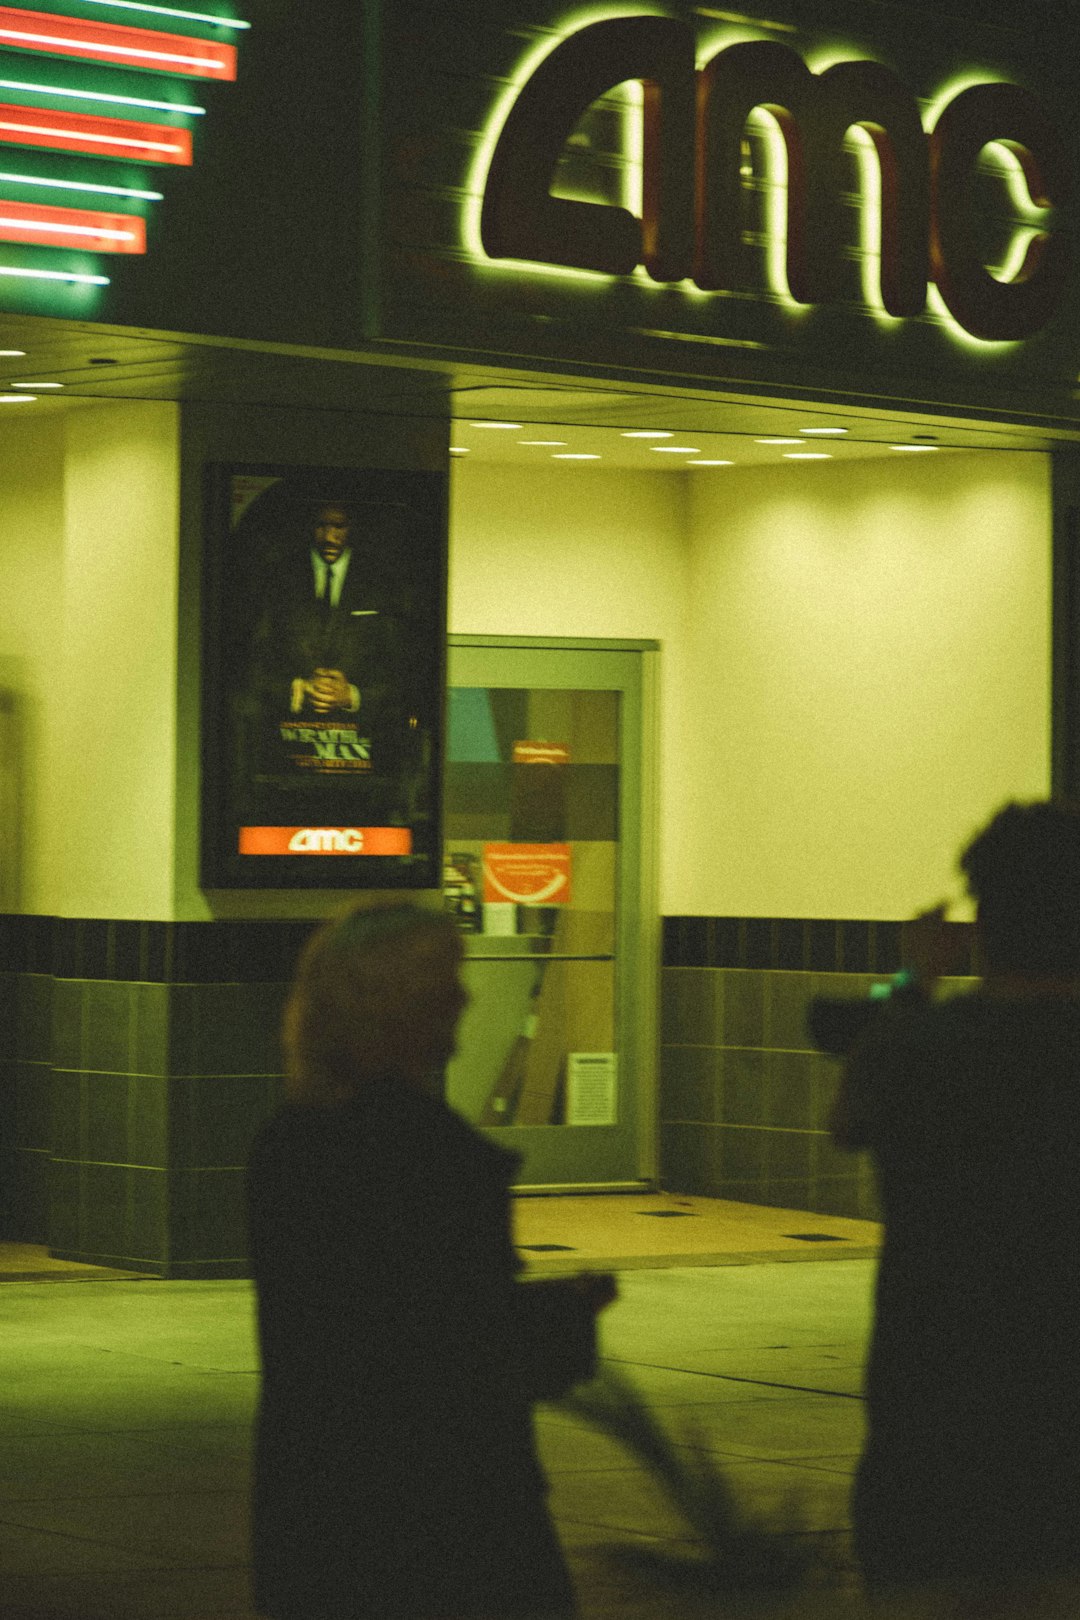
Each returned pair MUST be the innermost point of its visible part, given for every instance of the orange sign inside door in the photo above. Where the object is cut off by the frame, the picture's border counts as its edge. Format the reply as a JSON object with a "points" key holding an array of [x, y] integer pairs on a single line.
{"points": [[527, 874]]}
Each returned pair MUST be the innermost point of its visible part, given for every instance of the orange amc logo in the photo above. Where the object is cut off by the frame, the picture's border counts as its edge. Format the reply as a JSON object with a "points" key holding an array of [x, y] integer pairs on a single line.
{"points": [[325, 841]]}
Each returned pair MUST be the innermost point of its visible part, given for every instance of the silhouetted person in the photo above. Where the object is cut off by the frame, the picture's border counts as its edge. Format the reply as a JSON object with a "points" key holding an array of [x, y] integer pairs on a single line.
{"points": [[395, 1475], [971, 1109]]}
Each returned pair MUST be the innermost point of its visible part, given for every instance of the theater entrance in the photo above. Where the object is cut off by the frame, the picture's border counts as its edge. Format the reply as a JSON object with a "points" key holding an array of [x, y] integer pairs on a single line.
{"points": [[549, 867]]}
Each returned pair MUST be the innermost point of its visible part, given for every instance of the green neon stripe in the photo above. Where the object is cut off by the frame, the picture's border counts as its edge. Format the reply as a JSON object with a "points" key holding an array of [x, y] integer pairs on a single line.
{"points": [[54, 275], [167, 11], [78, 185], [97, 95]]}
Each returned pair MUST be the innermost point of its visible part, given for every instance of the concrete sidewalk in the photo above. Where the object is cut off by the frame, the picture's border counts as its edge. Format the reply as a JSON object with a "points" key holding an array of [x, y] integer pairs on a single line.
{"points": [[125, 1413], [760, 1366]]}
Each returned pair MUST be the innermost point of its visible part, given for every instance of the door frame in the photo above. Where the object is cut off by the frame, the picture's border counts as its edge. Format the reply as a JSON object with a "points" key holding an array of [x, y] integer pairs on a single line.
{"points": [[639, 923]]}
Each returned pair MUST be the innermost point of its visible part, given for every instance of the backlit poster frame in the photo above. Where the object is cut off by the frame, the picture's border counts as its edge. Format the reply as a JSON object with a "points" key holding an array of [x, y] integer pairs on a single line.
{"points": [[324, 671]]}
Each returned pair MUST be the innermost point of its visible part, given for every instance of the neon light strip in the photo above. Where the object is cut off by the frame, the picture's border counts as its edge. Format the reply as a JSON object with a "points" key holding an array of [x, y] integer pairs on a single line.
{"points": [[167, 11], [168, 62], [84, 132], [78, 185], [54, 275], [132, 47], [72, 227], [30, 230], [96, 95], [16, 130]]}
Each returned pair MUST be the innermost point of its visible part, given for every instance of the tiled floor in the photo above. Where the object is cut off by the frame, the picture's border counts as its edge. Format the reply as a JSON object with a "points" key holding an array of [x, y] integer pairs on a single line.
{"points": [[662, 1229], [32, 1262], [626, 1230], [125, 1412]]}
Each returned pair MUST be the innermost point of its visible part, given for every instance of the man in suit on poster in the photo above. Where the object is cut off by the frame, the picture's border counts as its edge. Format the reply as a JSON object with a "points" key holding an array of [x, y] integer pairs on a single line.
{"points": [[329, 701], [324, 638]]}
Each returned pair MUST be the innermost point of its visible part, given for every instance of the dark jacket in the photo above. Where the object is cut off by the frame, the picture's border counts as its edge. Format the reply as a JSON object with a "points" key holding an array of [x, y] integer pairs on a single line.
{"points": [[971, 1110], [294, 633], [395, 1468]]}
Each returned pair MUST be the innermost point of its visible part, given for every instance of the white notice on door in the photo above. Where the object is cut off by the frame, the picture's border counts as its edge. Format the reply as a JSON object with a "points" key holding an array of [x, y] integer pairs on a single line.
{"points": [[591, 1089]]}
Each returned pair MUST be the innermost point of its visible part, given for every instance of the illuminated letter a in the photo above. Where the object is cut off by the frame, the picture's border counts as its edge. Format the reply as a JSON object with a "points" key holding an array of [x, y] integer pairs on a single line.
{"points": [[520, 218]]}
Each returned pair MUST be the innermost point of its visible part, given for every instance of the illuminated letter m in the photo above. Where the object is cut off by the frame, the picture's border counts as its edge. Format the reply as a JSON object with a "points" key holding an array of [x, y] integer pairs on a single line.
{"points": [[814, 113]]}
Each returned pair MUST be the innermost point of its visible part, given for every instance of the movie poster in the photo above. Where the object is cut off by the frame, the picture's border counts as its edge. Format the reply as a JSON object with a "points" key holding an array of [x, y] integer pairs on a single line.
{"points": [[325, 614]]}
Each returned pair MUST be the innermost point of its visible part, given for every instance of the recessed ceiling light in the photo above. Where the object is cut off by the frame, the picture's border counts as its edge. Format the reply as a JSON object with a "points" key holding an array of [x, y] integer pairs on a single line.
{"points": [[574, 455], [459, 450], [13, 354], [16, 399], [824, 433], [675, 449], [647, 433], [776, 441], [549, 444], [712, 464], [915, 448], [808, 455], [36, 385], [514, 427]]}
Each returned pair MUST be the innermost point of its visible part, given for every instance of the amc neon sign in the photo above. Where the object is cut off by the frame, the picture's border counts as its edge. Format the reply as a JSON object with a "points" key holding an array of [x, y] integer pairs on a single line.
{"points": [[694, 122]]}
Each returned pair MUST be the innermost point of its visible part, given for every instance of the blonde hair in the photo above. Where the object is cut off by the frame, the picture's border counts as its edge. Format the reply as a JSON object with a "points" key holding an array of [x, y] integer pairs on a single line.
{"points": [[355, 1010]]}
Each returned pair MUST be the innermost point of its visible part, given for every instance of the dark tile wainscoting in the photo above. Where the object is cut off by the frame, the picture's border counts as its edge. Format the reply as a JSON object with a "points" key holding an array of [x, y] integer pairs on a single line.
{"points": [[137, 1059], [743, 1094]]}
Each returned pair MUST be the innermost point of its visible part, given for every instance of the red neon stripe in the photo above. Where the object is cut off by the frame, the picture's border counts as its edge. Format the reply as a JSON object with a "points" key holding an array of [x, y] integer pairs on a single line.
{"points": [[325, 841], [72, 227], [104, 137], [125, 47]]}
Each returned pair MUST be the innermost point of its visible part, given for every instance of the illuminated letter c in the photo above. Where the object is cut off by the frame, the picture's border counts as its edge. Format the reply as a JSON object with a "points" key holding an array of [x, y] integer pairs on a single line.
{"points": [[520, 219], [985, 307]]}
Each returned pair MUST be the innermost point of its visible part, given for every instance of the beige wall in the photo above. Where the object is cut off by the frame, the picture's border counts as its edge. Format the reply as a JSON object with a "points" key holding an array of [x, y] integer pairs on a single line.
{"points": [[855, 657], [582, 552], [119, 658], [90, 520], [871, 656], [31, 609]]}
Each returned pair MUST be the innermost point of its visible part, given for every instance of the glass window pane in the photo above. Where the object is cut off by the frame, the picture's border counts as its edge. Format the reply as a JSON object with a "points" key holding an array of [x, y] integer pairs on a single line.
{"points": [[531, 871]]}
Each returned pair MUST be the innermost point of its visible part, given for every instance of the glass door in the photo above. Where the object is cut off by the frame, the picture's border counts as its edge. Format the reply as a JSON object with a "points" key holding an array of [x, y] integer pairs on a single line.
{"points": [[547, 864]]}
